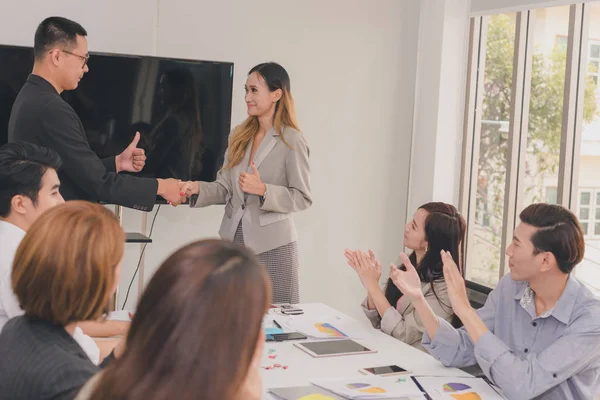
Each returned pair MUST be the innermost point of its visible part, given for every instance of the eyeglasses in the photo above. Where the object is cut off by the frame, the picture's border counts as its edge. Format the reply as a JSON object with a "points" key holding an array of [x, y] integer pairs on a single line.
{"points": [[84, 58]]}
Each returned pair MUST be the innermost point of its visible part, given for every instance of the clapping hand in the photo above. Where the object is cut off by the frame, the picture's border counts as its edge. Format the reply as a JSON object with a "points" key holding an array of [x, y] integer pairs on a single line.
{"points": [[366, 266], [457, 291], [407, 281]]}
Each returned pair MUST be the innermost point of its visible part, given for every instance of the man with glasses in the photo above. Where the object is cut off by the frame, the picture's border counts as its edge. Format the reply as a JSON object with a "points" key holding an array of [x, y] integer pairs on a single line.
{"points": [[39, 115]]}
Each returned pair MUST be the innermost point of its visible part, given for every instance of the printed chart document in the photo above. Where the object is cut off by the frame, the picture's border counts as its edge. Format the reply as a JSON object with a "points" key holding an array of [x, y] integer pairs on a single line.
{"points": [[448, 388]]}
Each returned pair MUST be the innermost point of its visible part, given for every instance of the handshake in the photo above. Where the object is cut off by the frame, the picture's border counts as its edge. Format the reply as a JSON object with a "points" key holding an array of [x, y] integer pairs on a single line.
{"points": [[175, 191]]}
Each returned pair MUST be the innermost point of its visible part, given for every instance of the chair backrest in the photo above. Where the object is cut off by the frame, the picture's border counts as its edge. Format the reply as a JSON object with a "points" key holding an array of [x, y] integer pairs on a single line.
{"points": [[477, 294]]}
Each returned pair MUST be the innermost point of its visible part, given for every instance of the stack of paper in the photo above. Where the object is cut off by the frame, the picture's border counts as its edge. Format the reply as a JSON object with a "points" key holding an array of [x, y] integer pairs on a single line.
{"points": [[371, 387]]}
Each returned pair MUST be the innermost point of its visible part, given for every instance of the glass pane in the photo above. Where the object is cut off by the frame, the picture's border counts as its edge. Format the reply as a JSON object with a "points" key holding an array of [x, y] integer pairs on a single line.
{"points": [[545, 105], [589, 159], [584, 213], [597, 213], [593, 67], [551, 195], [598, 199], [584, 200], [484, 243], [584, 227]]}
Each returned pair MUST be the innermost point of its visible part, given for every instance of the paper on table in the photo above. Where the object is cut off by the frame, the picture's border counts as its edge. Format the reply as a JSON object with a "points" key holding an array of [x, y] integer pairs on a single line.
{"points": [[325, 327], [371, 387], [304, 393], [463, 388]]}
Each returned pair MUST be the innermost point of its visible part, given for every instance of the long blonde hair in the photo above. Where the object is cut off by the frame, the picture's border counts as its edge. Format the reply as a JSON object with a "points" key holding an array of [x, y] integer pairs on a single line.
{"points": [[276, 77]]}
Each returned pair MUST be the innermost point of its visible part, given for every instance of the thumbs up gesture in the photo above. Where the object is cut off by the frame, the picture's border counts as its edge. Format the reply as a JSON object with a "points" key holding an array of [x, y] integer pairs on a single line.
{"points": [[251, 183], [131, 159]]}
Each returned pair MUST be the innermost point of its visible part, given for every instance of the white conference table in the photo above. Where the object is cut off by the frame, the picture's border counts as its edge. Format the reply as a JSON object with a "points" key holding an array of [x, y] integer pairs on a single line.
{"points": [[302, 367]]}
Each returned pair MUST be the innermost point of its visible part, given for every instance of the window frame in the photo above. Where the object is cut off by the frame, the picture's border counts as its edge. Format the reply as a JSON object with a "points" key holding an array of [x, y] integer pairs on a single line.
{"points": [[572, 119]]}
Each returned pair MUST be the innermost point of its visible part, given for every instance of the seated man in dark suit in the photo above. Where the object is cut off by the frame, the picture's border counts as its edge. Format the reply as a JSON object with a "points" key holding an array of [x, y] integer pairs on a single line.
{"points": [[39, 115]]}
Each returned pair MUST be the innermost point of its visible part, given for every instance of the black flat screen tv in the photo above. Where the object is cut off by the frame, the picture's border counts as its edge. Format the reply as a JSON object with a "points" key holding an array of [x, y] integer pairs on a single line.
{"points": [[182, 108]]}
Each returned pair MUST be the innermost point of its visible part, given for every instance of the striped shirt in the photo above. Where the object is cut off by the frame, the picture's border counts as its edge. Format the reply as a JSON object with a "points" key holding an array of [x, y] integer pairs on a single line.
{"points": [[41, 361]]}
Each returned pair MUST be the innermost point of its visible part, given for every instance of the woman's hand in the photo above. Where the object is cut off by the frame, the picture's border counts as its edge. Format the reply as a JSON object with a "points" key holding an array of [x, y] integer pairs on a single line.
{"points": [[251, 183], [189, 188], [366, 266], [407, 281]]}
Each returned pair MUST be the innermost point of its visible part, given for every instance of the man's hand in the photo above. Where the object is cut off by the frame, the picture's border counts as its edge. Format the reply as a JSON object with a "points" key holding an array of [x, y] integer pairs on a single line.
{"points": [[131, 159], [170, 190], [457, 291]]}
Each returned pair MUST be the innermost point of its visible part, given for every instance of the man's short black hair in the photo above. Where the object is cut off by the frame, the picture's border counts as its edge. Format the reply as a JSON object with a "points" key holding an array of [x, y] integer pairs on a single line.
{"points": [[22, 166], [56, 31], [558, 232]]}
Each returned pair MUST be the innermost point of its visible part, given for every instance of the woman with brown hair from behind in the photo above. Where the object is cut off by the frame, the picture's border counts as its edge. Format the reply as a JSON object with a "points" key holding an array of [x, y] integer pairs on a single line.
{"points": [[197, 332], [64, 272]]}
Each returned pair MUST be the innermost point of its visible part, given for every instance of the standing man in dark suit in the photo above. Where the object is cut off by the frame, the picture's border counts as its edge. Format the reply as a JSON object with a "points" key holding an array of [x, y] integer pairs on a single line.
{"points": [[39, 115]]}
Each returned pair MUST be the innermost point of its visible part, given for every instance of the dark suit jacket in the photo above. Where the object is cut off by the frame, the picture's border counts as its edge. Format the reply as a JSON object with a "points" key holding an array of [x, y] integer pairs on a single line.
{"points": [[40, 116], [41, 361]]}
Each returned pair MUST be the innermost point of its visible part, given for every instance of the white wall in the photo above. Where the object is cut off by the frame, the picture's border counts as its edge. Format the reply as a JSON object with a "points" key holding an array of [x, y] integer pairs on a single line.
{"points": [[440, 101], [352, 65]]}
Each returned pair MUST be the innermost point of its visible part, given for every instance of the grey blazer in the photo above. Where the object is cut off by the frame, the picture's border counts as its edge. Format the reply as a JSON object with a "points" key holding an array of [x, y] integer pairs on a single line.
{"points": [[286, 173]]}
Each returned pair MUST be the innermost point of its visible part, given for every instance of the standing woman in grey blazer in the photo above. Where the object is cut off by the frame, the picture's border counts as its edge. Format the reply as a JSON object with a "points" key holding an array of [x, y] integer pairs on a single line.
{"points": [[264, 179]]}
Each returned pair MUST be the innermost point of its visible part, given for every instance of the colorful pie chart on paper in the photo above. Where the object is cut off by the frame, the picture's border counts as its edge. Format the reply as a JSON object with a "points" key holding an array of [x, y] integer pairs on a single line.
{"points": [[466, 396], [329, 330], [316, 396], [373, 390], [455, 387], [357, 385]]}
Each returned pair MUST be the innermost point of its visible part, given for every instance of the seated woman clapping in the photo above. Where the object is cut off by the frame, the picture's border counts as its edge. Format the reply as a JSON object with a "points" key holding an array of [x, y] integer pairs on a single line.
{"points": [[435, 226]]}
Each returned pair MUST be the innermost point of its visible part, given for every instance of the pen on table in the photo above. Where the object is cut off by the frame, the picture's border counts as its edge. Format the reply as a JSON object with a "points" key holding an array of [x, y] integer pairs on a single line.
{"points": [[277, 324]]}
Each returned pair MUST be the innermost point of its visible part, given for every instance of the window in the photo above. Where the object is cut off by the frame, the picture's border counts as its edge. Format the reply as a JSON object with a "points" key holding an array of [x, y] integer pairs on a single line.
{"points": [[551, 195], [532, 130], [587, 173], [589, 213], [585, 205], [544, 127], [594, 60], [484, 239]]}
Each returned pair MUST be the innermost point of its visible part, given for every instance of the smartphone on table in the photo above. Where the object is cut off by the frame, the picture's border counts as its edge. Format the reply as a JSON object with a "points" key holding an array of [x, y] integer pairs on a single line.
{"points": [[281, 337], [288, 309], [387, 370]]}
